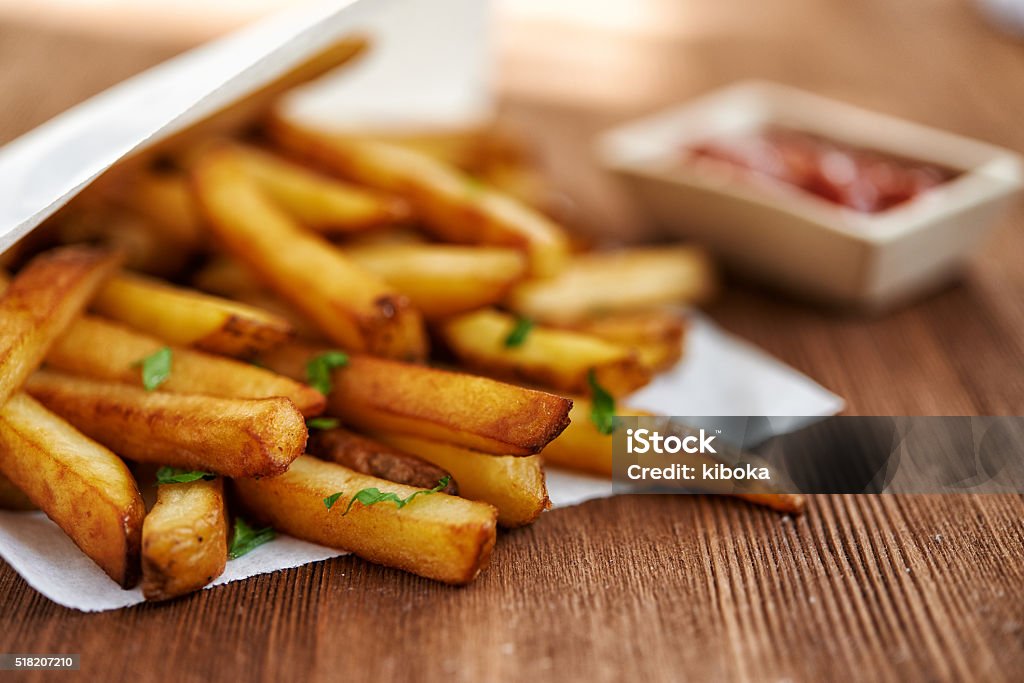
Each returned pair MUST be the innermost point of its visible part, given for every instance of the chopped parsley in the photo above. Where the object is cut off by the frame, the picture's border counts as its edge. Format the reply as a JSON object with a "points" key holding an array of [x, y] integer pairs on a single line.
{"points": [[602, 412], [156, 368], [176, 475], [318, 369], [323, 422], [373, 495], [245, 539], [519, 333]]}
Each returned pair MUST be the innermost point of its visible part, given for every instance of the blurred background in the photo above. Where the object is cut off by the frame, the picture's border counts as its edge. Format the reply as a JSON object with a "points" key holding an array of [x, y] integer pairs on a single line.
{"points": [[582, 65], [566, 70]]}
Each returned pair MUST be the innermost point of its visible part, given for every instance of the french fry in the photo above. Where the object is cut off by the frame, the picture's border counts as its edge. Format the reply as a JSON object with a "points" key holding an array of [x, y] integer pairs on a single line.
{"points": [[13, 498], [454, 206], [562, 360], [436, 536], [367, 456], [374, 394], [146, 248], [320, 202], [657, 335], [513, 485], [40, 303], [602, 282], [80, 485], [352, 307], [443, 280], [190, 318], [231, 437], [225, 277], [165, 200], [93, 347], [184, 539], [583, 448]]}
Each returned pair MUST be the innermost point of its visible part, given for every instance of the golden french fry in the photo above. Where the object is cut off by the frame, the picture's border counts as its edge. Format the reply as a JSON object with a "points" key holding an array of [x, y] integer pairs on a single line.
{"points": [[374, 394], [93, 347], [145, 246], [657, 335], [366, 456], [79, 484], [320, 202], [437, 536], [562, 360], [231, 437], [225, 277], [454, 206], [13, 498], [184, 539], [41, 302], [190, 318], [165, 200], [513, 485], [582, 447], [352, 307], [443, 280], [596, 283]]}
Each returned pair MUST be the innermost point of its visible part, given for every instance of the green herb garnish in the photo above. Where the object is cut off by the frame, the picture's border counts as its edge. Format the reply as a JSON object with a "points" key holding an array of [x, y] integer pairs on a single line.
{"points": [[373, 495], [177, 475], [245, 538], [602, 414], [519, 333], [318, 369], [323, 422], [156, 368]]}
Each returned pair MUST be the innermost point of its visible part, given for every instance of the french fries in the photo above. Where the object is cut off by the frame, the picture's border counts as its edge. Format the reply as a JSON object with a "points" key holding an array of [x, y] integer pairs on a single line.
{"points": [[562, 360], [656, 335], [582, 447], [13, 498], [352, 307], [367, 456], [231, 437], [41, 302], [184, 539], [602, 282], [145, 246], [165, 201], [319, 202], [436, 536], [95, 348], [379, 395], [443, 280], [190, 318], [513, 485], [454, 206], [80, 485]]}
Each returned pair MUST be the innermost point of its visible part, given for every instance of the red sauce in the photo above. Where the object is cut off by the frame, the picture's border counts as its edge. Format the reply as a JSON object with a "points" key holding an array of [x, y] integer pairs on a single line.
{"points": [[861, 179]]}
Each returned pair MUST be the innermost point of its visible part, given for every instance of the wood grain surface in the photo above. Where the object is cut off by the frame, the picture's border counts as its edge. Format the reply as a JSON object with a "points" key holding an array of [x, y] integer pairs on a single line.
{"points": [[649, 587]]}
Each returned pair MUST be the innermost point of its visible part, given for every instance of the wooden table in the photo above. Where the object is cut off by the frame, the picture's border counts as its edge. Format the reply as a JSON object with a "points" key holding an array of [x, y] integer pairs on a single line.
{"points": [[659, 588]]}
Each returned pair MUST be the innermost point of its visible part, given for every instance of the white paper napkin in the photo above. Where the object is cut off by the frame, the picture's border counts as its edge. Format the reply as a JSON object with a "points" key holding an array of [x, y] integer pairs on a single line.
{"points": [[721, 375]]}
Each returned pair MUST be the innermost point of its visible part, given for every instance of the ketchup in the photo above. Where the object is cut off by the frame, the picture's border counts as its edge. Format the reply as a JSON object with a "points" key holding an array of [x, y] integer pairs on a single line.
{"points": [[857, 178]]}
